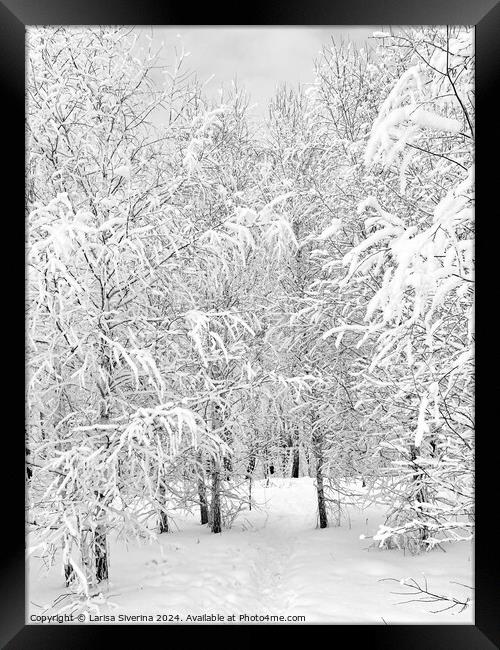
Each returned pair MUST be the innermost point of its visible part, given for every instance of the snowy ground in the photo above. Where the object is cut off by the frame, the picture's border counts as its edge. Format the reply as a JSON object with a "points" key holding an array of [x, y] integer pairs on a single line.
{"points": [[272, 562]]}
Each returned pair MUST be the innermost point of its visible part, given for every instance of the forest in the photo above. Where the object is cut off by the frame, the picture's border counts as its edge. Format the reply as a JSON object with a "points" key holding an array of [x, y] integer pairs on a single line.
{"points": [[221, 306]]}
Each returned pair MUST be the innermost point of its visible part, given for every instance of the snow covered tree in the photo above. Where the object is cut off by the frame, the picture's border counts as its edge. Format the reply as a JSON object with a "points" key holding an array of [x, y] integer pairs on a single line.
{"points": [[418, 220], [103, 420]]}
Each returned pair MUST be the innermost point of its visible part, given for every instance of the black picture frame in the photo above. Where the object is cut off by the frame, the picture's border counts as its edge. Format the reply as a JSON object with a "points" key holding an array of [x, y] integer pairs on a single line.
{"points": [[15, 15]]}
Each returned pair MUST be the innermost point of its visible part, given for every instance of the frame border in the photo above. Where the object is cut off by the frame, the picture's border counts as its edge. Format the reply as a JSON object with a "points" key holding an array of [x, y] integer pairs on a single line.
{"points": [[15, 15]]}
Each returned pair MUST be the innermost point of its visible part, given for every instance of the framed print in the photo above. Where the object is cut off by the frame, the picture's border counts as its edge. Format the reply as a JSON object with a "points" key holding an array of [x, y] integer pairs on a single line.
{"points": [[253, 358]]}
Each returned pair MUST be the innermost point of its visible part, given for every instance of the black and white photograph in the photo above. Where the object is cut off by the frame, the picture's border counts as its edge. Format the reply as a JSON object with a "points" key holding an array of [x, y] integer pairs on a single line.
{"points": [[250, 325]]}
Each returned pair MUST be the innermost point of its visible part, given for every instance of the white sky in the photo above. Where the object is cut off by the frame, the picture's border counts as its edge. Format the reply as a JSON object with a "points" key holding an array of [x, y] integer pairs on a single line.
{"points": [[260, 58]]}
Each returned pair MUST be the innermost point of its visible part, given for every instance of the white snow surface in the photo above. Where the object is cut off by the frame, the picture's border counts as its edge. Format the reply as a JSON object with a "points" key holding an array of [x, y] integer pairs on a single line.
{"points": [[273, 561]]}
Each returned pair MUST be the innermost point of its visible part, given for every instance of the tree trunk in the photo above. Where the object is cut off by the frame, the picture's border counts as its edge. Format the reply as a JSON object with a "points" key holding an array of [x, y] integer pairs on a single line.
{"points": [[295, 451], [99, 541], [215, 514], [163, 515], [69, 574], [249, 476], [318, 452], [267, 468], [284, 461], [295, 463], [323, 520], [215, 505], [307, 458], [285, 444], [202, 494], [101, 553], [100, 545], [251, 464], [87, 538], [228, 467], [202, 490], [163, 522]]}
